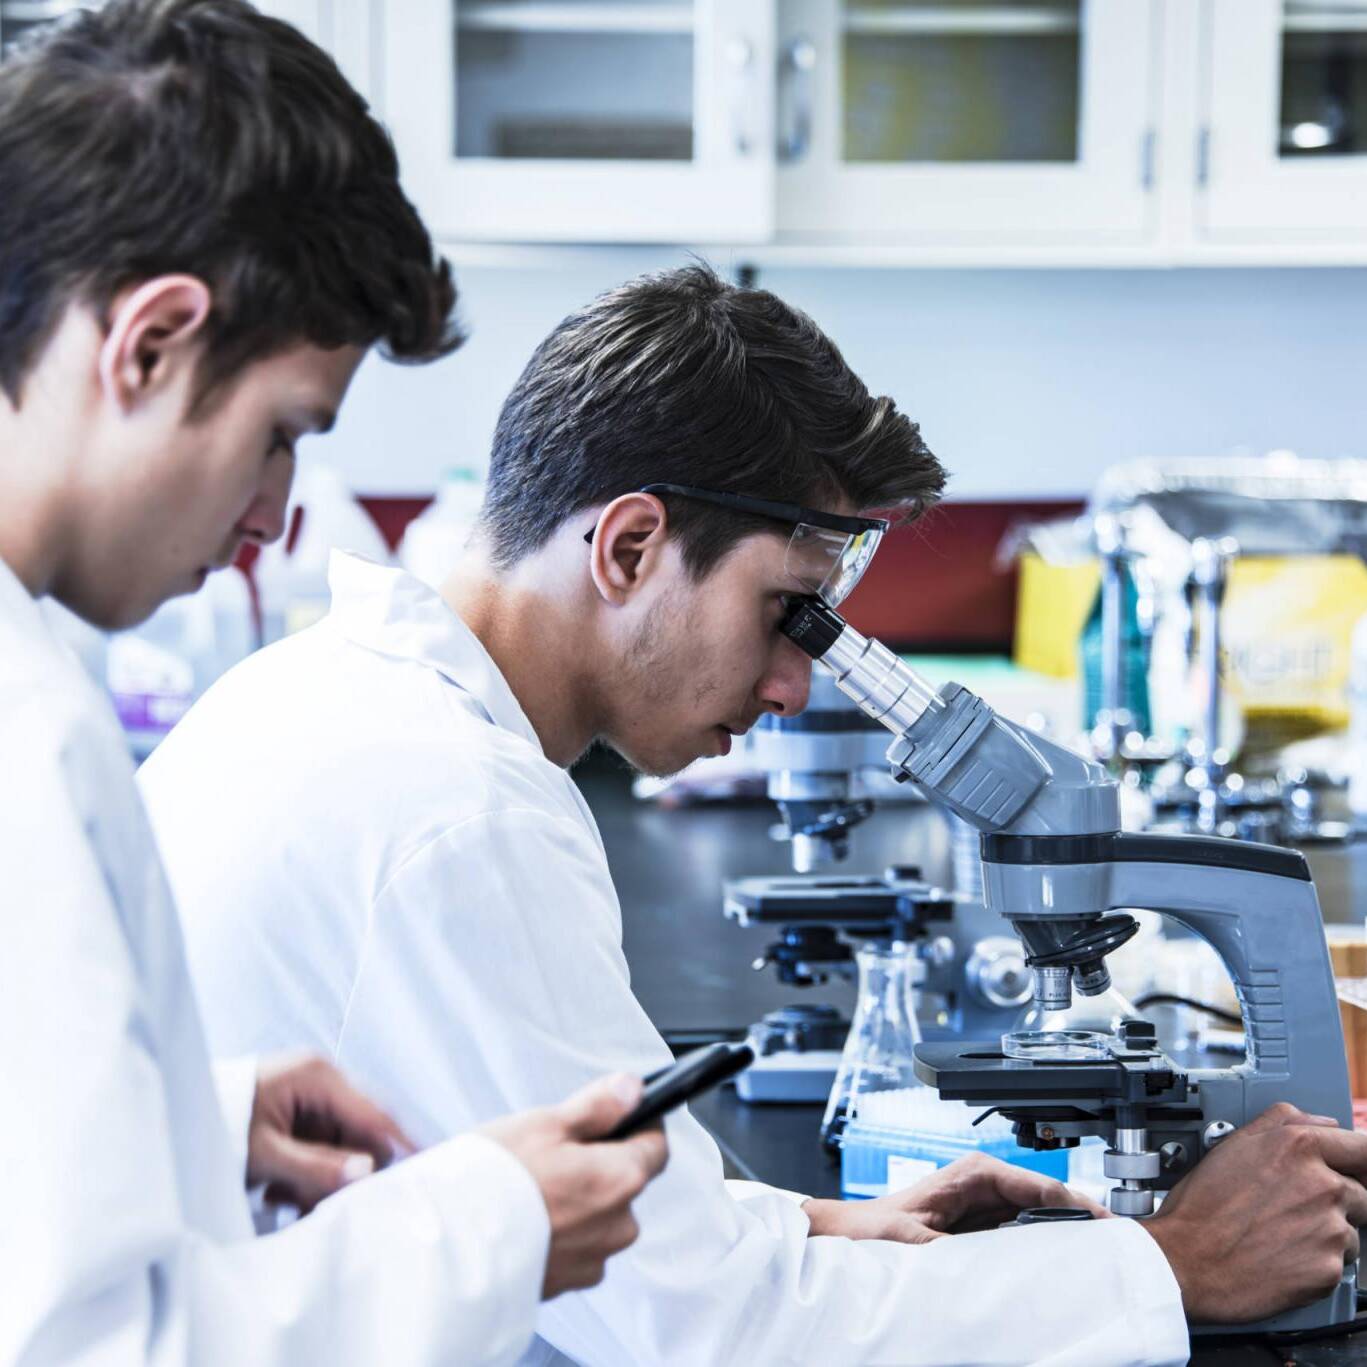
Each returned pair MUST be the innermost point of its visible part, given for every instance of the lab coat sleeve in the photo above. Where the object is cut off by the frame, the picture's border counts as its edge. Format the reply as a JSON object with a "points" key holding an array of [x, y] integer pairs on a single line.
{"points": [[743, 1191], [440, 1259], [499, 946], [235, 1083]]}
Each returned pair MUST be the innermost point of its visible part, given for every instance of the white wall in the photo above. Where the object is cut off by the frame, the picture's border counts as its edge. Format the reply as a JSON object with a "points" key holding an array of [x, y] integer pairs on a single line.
{"points": [[1025, 382]]}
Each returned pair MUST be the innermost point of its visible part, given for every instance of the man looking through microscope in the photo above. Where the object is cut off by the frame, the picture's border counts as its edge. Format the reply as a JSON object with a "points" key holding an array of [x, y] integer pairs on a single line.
{"points": [[677, 460]]}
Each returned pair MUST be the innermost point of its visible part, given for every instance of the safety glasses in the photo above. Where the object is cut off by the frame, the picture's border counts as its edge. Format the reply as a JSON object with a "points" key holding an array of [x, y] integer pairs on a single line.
{"points": [[827, 553]]}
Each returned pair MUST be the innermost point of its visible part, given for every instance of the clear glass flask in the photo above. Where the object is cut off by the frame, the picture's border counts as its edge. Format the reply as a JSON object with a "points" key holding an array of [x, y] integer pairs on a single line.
{"points": [[877, 1058]]}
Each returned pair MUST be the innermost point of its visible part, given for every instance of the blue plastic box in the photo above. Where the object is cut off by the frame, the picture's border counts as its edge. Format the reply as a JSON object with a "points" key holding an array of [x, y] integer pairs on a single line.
{"points": [[874, 1160]]}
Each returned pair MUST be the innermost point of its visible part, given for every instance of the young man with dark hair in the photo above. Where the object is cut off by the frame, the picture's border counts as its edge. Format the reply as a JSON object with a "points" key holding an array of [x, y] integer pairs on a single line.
{"points": [[201, 233], [676, 461]]}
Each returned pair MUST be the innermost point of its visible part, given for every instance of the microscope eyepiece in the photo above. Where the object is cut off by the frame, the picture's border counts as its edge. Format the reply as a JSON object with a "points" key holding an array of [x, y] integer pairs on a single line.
{"points": [[813, 626], [883, 686]]}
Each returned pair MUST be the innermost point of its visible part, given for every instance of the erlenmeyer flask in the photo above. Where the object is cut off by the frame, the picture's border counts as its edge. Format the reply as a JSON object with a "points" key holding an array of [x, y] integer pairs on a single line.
{"points": [[878, 1050]]}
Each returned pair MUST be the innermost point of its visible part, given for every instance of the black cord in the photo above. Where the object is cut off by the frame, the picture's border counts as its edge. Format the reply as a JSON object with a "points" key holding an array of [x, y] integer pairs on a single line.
{"points": [[1172, 999]]}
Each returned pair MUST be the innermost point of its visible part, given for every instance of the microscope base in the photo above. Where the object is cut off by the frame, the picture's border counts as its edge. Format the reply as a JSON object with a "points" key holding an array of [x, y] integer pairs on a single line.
{"points": [[790, 1075]]}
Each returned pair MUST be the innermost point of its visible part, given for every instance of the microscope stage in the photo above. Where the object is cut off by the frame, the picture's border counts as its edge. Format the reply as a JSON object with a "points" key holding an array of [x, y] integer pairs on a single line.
{"points": [[979, 1073]]}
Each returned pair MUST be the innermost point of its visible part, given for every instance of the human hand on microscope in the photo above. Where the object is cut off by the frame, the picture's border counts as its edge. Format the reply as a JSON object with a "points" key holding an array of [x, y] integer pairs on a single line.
{"points": [[1268, 1219], [588, 1185], [975, 1192]]}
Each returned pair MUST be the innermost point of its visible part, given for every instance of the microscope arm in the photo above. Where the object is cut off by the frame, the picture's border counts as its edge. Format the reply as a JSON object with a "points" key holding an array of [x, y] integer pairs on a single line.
{"points": [[1268, 931]]}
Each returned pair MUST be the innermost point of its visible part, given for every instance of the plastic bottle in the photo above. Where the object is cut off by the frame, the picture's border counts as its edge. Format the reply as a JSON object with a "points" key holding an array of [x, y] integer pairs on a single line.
{"points": [[292, 575], [434, 540], [1134, 664], [156, 671]]}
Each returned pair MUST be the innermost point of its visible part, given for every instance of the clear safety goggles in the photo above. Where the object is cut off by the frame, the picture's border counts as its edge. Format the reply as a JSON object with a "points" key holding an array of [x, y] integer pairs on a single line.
{"points": [[827, 553]]}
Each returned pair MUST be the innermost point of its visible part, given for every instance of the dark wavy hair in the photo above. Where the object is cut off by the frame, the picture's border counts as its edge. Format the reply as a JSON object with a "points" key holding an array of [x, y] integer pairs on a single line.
{"points": [[200, 136], [683, 378]]}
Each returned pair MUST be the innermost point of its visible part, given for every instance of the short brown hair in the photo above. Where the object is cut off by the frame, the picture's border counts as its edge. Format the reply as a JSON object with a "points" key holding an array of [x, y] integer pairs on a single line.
{"points": [[683, 378], [199, 136]]}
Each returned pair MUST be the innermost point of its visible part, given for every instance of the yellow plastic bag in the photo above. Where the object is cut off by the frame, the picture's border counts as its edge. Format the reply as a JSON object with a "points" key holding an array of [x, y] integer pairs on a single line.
{"points": [[1286, 629], [1053, 603]]}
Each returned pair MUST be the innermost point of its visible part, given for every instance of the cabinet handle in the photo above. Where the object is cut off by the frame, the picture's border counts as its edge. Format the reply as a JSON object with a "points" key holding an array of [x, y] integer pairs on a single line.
{"points": [[740, 57], [796, 67]]}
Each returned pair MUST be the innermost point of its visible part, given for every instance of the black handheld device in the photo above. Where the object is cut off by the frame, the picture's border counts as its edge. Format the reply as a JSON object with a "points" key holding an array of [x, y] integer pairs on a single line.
{"points": [[684, 1079]]}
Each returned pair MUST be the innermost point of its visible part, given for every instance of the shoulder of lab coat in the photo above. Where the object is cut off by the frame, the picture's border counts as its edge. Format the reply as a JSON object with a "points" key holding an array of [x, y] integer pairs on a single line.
{"points": [[126, 1236]]}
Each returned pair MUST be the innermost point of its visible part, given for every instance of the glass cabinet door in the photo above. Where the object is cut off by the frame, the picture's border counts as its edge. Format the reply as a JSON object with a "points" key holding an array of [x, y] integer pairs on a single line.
{"points": [[1322, 106], [535, 80], [974, 82], [906, 119], [629, 120], [1286, 139], [343, 27]]}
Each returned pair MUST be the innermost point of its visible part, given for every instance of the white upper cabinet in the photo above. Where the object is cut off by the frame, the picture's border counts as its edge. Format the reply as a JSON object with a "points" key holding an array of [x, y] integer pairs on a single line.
{"points": [[553, 120], [310, 17], [348, 29], [966, 120], [1088, 132], [1285, 153], [18, 17]]}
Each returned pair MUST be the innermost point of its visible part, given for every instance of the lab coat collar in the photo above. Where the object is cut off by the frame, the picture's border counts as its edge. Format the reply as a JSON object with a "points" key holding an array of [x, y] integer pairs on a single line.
{"points": [[20, 608], [393, 613], [14, 597]]}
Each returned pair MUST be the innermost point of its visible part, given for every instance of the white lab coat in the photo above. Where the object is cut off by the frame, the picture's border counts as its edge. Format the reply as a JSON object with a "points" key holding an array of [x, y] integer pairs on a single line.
{"points": [[373, 856], [125, 1233]]}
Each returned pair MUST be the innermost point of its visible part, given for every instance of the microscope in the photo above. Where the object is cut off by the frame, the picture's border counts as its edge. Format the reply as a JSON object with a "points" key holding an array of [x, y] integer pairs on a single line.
{"points": [[825, 770], [1057, 866]]}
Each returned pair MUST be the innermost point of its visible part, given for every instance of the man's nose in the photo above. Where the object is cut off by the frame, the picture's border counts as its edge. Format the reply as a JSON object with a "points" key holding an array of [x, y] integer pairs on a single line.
{"points": [[264, 520], [785, 687]]}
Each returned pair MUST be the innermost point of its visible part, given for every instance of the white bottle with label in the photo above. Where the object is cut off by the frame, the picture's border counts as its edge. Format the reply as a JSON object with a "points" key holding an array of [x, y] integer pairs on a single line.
{"points": [[435, 539], [292, 575], [155, 671]]}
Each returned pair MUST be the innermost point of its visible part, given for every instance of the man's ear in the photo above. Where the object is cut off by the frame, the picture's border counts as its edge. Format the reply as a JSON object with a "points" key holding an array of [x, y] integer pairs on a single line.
{"points": [[154, 333], [628, 545]]}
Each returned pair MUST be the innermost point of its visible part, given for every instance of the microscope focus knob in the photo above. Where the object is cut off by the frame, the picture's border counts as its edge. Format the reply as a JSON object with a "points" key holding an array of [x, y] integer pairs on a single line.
{"points": [[1136, 1202], [1215, 1132], [1133, 1167], [997, 973]]}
